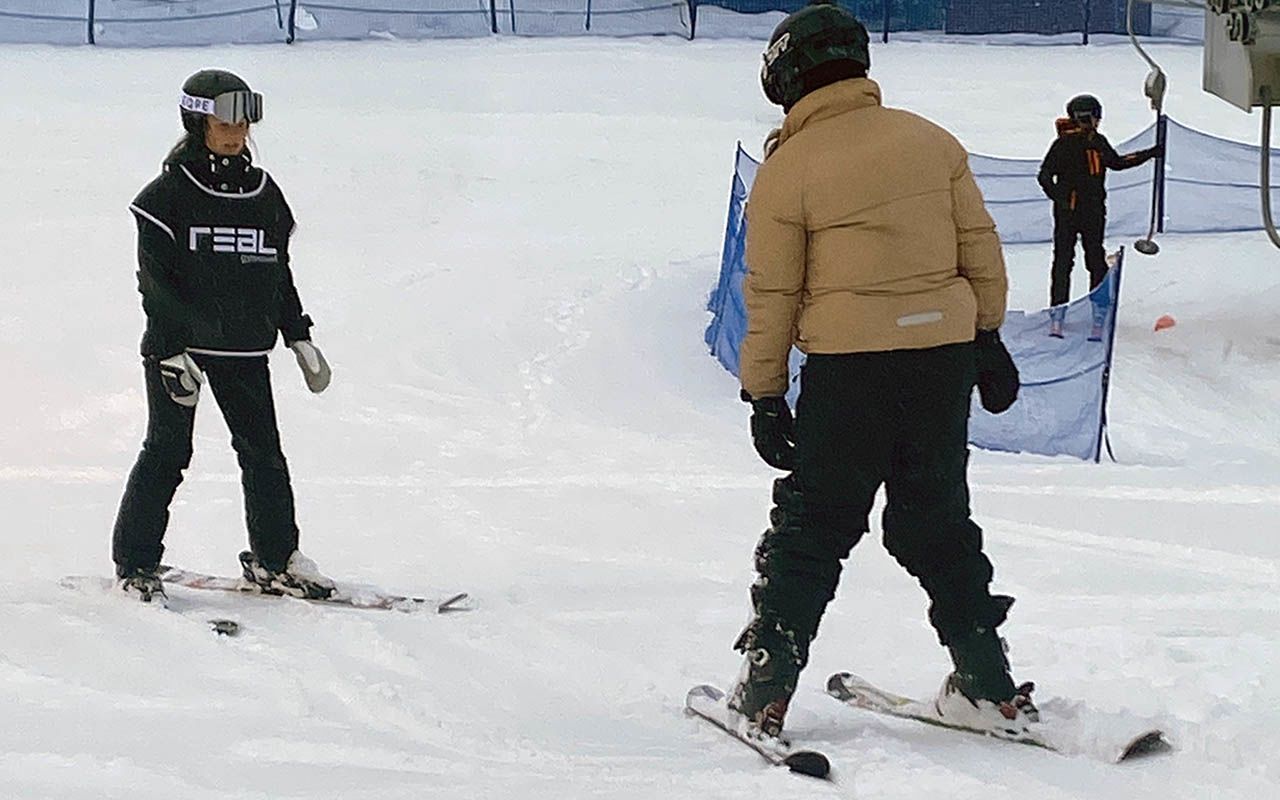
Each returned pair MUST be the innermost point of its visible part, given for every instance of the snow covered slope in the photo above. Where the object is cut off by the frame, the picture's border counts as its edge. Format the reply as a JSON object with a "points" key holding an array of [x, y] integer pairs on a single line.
{"points": [[506, 246]]}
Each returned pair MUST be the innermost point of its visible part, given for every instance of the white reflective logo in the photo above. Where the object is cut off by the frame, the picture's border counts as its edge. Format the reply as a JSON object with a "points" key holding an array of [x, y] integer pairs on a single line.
{"points": [[777, 48], [252, 241]]}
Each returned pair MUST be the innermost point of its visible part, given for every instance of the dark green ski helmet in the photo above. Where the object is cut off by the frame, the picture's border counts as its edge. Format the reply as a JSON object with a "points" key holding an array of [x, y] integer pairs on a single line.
{"points": [[216, 92], [820, 35], [1083, 104]]}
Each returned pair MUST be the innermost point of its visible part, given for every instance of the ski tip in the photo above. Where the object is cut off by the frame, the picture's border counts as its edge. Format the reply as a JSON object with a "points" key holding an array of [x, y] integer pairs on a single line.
{"points": [[225, 627], [1148, 744], [841, 685], [808, 762], [703, 691], [452, 604]]}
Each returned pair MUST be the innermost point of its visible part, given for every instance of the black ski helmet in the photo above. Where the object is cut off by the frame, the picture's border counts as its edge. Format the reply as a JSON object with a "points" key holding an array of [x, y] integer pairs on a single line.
{"points": [[208, 84], [817, 35], [1084, 104]]}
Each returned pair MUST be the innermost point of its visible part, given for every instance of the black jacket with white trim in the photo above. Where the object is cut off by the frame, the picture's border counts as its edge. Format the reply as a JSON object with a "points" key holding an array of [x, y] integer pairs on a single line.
{"points": [[213, 259]]}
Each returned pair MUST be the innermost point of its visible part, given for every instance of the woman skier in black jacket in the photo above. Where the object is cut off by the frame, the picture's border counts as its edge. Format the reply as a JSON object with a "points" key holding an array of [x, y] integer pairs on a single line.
{"points": [[213, 270]]}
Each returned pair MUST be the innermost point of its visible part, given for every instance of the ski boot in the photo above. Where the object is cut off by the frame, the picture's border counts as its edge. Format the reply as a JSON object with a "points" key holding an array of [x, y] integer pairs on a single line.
{"points": [[299, 578], [1056, 317], [1100, 304], [141, 582], [980, 694], [769, 675]]}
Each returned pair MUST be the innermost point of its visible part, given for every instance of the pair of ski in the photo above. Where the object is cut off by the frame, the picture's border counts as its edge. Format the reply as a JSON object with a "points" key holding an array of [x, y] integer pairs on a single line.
{"points": [[344, 595], [708, 703]]}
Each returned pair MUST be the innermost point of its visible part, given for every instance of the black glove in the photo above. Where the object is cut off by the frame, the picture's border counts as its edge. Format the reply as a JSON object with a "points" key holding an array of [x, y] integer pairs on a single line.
{"points": [[997, 376], [773, 430]]}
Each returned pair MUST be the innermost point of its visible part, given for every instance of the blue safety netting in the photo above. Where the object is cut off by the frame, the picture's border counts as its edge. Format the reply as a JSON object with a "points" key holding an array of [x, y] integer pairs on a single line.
{"points": [[392, 19], [1211, 185], [194, 22], [144, 22], [734, 18], [418, 19], [1061, 408], [1044, 16]]}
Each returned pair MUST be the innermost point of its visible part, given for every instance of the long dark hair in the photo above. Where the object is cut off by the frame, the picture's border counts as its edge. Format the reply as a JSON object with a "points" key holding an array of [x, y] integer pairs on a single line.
{"points": [[189, 148]]}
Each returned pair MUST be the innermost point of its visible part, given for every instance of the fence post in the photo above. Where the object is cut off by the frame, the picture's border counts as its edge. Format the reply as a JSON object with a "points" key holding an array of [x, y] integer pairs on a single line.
{"points": [[1106, 364], [1162, 137], [588, 15], [293, 29], [493, 15], [887, 5], [1088, 10], [90, 29], [693, 18]]}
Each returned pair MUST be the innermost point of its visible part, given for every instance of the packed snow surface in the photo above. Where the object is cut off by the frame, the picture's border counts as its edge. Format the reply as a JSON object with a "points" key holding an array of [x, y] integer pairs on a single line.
{"points": [[506, 246]]}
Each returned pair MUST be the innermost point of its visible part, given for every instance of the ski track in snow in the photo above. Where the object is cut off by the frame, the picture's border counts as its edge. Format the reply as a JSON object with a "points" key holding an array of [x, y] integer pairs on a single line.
{"points": [[509, 279]]}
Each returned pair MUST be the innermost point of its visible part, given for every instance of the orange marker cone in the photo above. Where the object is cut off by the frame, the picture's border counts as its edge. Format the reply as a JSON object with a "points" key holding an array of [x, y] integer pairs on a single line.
{"points": [[1165, 321]]}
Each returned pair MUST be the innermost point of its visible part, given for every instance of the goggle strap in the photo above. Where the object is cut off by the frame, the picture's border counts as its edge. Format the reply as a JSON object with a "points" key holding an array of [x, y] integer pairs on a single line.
{"points": [[230, 107]]}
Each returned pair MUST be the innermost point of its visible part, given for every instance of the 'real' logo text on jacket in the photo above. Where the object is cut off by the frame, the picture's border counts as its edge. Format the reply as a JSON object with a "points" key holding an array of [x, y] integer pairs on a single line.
{"points": [[249, 243]]}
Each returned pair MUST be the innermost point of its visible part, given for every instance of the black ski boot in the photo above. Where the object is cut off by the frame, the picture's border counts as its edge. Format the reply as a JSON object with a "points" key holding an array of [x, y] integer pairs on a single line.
{"points": [[772, 667], [980, 693], [299, 578], [141, 582]]}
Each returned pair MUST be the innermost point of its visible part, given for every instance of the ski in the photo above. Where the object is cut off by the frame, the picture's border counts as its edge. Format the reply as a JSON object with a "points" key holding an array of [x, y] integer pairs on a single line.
{"points": [[220, 625], [352, 597], [861, 693], [708, 703]]}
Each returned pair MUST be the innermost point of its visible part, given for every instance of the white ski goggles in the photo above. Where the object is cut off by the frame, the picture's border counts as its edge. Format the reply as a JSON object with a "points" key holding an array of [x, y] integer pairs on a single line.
{"points": [[230, 107]]}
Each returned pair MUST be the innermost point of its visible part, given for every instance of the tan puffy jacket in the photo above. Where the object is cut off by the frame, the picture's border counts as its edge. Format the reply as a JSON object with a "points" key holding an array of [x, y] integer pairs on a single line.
{"points": [[865, 232]]}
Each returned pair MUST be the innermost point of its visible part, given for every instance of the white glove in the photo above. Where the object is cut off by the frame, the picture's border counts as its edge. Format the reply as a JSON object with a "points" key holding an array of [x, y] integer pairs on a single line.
{"points": [[314, 368], [182, 379]]}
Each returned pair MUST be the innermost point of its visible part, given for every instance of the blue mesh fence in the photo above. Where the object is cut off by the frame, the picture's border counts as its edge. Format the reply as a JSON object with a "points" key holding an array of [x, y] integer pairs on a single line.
{"points": [[172, 22], [1211, 185], [401, 19], [901, 15], [604, 17], [1061, 408], [196, 22], [144, 22], [1045, 16]]}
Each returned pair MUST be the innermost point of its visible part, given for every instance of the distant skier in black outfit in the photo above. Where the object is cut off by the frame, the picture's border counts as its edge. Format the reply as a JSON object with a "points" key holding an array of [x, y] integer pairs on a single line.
{"points": [[213, 270], [1074, 176]]}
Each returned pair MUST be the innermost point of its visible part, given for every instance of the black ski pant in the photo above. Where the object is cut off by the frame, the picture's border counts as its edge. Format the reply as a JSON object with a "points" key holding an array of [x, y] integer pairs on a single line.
{"points": [[898, 419], [242, 389], [1089, 225]]}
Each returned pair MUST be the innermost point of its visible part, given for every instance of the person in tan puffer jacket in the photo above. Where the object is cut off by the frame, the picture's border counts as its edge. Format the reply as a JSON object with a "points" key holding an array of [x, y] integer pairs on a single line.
{"points": [[865, 232], [869, 248]]}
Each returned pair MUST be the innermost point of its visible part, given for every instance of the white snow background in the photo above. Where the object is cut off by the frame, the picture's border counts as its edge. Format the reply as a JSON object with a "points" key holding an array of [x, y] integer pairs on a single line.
{"points": [[507, 247]]}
